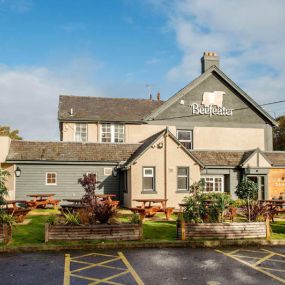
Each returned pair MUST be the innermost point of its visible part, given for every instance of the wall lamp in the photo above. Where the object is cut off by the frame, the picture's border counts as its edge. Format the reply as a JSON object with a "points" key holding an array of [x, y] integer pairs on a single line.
{"points": [[18, 171]]}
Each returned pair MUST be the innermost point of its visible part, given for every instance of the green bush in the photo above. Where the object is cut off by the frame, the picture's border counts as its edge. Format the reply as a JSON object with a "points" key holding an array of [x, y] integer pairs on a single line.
{"points": [[135, 219], [6, 219], [71, 219]]}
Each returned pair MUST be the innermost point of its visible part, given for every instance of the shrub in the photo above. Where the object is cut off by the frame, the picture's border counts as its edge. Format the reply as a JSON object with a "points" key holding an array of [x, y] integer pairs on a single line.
{"points": [[72, 219], [135, 219], [53, 220], [259, 212], [103, 212], [3, 189], [195, 208], [6, 219]]}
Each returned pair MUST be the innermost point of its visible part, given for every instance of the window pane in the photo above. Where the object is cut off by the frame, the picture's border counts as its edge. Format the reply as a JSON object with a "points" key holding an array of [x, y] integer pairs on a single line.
{"points": [[182, 183], [119, 133], [81, 132], [187, 145], [148, 172], [184, 135], [182, 171], [148, 183]]}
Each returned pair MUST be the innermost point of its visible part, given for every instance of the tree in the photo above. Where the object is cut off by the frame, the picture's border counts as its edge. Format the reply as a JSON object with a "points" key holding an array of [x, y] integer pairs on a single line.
{"points": [[6, 131], [247, 190], [279, 134], [3, 189]]}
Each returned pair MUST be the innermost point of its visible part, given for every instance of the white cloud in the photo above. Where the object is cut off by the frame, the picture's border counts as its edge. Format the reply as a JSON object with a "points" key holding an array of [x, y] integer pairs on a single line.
{"points": [[248, 36], [29, 96]]}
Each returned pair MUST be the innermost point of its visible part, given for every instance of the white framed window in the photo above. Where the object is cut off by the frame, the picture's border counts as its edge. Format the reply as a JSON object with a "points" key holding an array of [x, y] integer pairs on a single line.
{"points": [[185, 137], [148, 179], [107, 171], [113, 133], [80, 132], [182, 178], [213, 183], [51, 178]]}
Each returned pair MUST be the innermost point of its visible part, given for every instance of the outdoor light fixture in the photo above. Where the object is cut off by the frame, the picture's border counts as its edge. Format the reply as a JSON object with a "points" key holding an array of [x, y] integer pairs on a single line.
{"points": [[115, 171], [18, 171]]}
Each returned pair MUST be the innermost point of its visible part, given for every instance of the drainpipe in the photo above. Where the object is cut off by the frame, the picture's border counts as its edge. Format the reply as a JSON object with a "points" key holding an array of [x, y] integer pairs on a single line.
{"points": [[165, 165]]}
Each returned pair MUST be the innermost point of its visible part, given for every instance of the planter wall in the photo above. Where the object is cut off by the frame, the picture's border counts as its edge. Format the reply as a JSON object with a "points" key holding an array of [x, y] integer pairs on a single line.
{"points": [[93, 232], [5, 233], [221, 230]]}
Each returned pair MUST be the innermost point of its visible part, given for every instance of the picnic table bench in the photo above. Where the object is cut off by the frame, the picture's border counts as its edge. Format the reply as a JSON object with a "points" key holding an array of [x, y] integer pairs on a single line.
{"points": [[148, 210], [12, 208], [42, 200]]}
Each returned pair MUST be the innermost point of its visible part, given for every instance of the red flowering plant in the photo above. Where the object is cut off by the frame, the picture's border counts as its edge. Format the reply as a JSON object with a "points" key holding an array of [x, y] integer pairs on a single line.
{"points": [[88, 182], [97, 210]]}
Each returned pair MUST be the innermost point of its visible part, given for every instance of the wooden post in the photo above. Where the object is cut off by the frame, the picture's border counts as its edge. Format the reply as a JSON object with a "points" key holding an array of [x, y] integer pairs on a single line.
{"points": [[182, 223], [46, 232], [268, 232], [7, 233]]}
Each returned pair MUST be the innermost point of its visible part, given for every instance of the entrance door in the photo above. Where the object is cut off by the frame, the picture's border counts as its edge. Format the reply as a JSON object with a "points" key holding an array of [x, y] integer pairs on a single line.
{"points": [[260, 181]]}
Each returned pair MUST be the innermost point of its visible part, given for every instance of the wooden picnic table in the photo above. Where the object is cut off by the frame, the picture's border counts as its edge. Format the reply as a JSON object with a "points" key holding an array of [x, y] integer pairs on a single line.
{"points": [[19, 213], [150, 201], [150, 210], [14, 203], [275, 202], [42, 200]]}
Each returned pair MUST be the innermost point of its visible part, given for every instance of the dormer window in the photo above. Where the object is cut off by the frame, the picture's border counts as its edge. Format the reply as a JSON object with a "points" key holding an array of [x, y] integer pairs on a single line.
{"points": [[112, 133], [81, 132]]}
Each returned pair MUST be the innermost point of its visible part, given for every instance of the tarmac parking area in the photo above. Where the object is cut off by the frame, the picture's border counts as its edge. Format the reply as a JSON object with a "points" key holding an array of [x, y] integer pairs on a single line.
{"points": [[147, 266]]}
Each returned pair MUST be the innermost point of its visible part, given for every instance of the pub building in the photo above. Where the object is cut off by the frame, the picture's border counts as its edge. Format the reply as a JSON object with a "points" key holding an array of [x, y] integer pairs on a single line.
{"points": [[150, 148]]}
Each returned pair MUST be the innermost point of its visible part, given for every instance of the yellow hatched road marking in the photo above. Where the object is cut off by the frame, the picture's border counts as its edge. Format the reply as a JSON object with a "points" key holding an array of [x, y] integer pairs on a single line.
{"points": [[273, 269], [276, 253], [93, 279], [101, 265], [108, 280], [131, 269], [89, 254], [245, 256], [253, 267], [66, 280], [264, 258], [95, 264], [234, 251]]}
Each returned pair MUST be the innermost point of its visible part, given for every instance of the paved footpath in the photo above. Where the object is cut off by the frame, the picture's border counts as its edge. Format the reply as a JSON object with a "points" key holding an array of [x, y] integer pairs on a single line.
{"points": [[251, 265]]}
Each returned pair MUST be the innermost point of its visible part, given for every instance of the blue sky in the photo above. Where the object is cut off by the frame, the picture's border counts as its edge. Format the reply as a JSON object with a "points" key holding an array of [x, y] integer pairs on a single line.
{"points": [[115, 47]]}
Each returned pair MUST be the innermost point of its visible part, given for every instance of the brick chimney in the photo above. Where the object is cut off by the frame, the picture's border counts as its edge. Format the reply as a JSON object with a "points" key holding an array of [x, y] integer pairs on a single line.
{"points": [[209, 59], [158, 96]]}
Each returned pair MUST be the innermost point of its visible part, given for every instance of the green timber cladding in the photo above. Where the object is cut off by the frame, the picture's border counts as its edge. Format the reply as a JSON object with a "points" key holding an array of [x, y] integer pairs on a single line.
{"points": [[33, 180]]}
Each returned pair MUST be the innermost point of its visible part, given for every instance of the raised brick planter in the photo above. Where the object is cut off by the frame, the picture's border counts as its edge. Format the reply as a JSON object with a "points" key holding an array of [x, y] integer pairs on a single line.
{"points": [[221, 230], [93, 232]]}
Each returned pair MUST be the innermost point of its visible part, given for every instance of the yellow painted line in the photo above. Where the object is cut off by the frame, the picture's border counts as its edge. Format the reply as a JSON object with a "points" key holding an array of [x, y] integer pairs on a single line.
{"points": [[93, 279], [273, 269], [250, 250], [253, 267], [66, 280], [102, 265], [244, 256], [89, 254], [264, 258], [106, 280], [276, 260], [95, 264], [234, 251], [131, 269], [276, 253]]}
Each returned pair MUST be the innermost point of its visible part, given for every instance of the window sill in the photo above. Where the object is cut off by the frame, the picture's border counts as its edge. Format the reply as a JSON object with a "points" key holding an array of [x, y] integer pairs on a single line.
{"points": [[182, 191], [149, 192]]}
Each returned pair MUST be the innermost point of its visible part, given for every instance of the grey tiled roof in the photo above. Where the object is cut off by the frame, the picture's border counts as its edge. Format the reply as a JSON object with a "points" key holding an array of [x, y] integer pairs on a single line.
{"points": [[221, 158], [277, 158], [105, 109], [69, 151]]}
